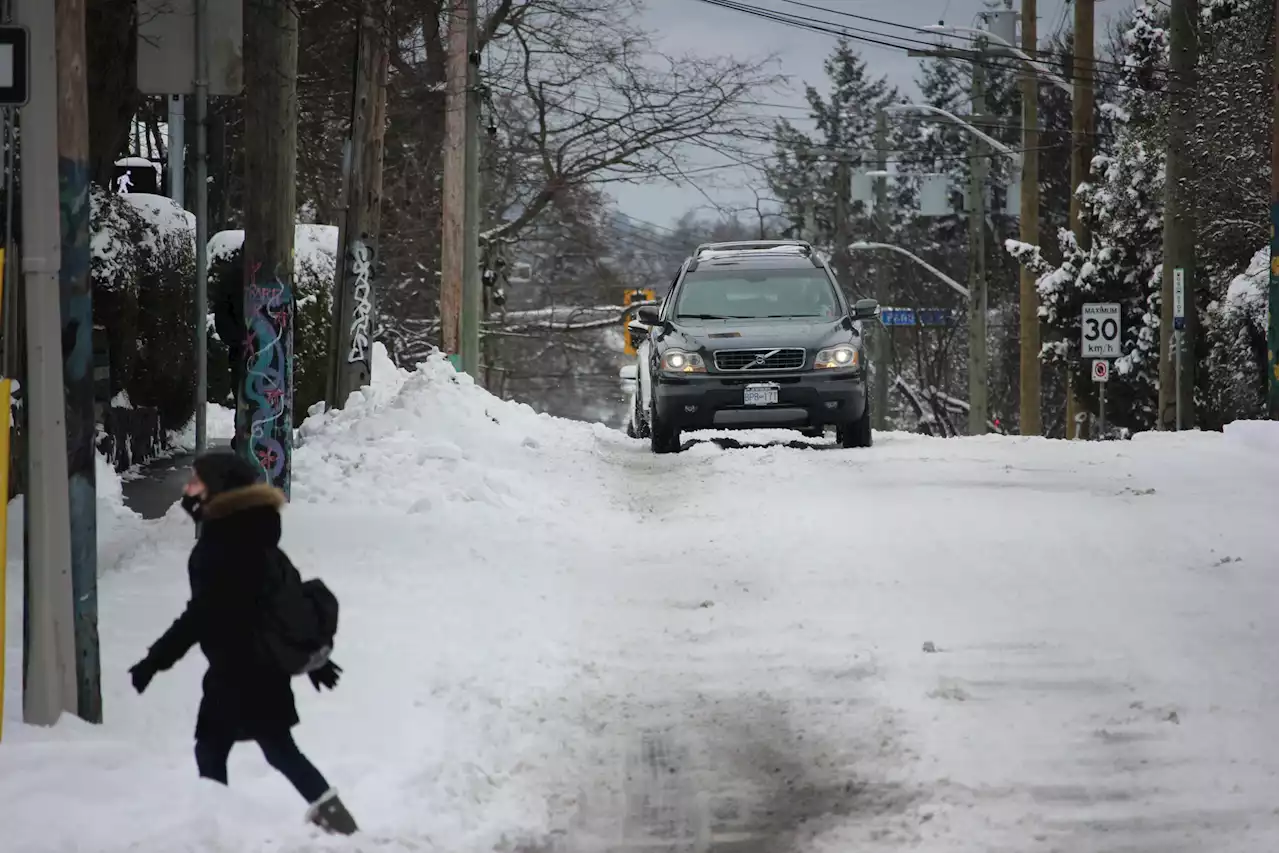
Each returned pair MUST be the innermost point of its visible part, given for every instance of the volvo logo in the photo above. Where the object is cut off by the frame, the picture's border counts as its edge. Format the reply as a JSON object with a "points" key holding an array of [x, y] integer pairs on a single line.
{"points": [[760, 360]]}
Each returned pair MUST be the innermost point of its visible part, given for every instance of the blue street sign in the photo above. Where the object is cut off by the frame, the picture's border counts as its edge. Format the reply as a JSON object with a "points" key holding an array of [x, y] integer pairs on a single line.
{"points": [[897, 316], [935, 316]]}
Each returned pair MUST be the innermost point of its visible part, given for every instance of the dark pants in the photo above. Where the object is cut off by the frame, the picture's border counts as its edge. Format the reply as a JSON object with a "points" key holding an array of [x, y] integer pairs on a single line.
{"points": [[281, 753]]}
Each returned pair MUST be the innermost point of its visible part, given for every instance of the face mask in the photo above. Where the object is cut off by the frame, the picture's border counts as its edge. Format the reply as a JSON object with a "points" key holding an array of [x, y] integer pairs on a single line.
{"points": [[193, 505]]}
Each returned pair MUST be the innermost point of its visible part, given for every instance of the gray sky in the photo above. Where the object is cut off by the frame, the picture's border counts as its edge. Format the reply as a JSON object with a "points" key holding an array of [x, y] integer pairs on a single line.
{"points": [[692, 27]]}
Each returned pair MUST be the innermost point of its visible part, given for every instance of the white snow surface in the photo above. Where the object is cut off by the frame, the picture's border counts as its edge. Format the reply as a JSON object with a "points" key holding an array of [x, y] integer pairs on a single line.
{"points": [[554, 641], [316, 245], [164, 215], [219, 423]]}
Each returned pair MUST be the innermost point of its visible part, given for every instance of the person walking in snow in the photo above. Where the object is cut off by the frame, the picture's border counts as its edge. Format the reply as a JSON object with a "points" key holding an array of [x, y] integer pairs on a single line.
{"points": [[235, 559]]}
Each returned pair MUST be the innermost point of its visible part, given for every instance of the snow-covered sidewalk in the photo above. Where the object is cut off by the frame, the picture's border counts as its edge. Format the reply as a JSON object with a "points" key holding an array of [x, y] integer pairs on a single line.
{"points": [[554, 640]]}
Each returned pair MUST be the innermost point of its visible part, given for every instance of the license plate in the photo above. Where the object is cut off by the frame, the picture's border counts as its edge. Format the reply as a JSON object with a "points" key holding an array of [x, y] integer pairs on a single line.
{"points": [[760, 395]]}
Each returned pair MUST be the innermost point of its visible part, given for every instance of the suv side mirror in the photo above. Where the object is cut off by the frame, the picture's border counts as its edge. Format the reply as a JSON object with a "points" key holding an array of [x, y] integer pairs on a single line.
{"points": [[865, 309], [648, 314]]}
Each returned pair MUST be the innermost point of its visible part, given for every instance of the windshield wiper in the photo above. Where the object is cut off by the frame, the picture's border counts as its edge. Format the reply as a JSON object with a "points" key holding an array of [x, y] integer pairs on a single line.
{"points": [[788, 316], [705, 317]]}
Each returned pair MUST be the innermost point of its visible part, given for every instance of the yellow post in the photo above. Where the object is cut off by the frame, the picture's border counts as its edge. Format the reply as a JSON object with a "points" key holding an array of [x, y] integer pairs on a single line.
{"points": [[4, 502]]}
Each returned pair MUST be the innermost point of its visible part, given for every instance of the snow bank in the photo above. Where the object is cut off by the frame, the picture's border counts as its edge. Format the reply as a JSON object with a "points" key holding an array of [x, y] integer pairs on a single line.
{"points": [[220, 425], [1260, 435]]}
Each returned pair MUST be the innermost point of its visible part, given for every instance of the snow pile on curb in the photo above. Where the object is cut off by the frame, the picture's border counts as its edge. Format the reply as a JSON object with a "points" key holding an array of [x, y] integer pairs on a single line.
{"points": [[463, 445], [1259, 435]]}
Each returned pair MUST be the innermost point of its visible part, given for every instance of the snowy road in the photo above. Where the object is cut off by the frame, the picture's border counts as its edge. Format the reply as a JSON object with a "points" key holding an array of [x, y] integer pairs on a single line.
{"points": [[555, 641]]}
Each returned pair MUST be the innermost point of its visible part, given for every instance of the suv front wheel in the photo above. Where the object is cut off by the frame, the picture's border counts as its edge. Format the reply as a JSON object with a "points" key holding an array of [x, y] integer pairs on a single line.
{"points": [[857, 433], [662, 438]]}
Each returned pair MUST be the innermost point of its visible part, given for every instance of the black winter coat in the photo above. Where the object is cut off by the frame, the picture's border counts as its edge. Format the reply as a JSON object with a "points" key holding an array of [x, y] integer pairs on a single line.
{"points": [[236, 557]]}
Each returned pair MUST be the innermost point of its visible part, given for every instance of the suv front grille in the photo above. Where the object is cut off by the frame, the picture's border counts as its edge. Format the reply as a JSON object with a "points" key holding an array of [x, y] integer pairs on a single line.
{"points": [[749, 359]]}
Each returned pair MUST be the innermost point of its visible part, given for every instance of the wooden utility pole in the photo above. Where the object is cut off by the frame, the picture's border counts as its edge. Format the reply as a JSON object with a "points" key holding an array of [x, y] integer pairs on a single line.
{"points": [[264, 421], [1081, 157], [351, 336], [1029, 225], [472, 297], [881, 334], [1274, 284], [77, 348], [978, 249], [453, 229], [1179, 217]]}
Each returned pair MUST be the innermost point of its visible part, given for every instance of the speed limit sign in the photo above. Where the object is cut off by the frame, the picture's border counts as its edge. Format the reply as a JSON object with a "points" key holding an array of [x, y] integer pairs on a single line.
{"points": [[1100, 330]]}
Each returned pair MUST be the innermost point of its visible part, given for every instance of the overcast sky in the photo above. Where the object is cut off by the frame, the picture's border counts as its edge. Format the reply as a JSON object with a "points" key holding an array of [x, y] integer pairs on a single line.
{"points": [[691, 26]]}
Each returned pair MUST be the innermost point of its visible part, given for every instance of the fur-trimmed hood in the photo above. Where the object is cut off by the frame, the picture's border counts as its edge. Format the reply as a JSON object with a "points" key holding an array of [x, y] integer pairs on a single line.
{"points": [[238, 500]]}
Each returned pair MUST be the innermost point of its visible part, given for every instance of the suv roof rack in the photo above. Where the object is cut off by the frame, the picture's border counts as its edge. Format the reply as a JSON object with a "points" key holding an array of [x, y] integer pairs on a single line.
{"points": [[800, 247]]}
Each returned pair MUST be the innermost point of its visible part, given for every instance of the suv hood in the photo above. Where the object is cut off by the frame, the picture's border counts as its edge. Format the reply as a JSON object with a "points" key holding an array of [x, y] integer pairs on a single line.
{"points": [[808, 332]]}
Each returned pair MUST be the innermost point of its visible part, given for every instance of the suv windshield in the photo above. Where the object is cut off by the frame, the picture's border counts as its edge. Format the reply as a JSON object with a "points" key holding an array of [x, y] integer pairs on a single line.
{"points": [[755, 294]]}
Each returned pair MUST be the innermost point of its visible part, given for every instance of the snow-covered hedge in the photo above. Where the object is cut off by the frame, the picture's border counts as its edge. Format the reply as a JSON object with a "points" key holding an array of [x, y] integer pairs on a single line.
{"points": [[142, 263]]}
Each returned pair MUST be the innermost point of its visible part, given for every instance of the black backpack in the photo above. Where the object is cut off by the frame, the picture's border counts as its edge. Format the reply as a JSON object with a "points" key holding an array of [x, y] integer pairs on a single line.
{"points": [[299, 620]]}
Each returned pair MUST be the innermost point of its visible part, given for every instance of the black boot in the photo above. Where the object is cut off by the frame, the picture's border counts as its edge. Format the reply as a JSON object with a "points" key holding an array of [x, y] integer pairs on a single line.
{"points": [[331, 815]]}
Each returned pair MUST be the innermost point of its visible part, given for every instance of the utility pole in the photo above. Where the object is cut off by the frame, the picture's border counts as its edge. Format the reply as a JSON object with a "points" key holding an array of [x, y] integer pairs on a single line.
{"points": [[1179, 220], [1029, 225], [177, 142], [76, 300], [881, 334], [1081, 158], [472, 287], [353, 306], [264, 422], [201, 86], [453, 235], [1273, 287], [49, 651], [978, 250]]}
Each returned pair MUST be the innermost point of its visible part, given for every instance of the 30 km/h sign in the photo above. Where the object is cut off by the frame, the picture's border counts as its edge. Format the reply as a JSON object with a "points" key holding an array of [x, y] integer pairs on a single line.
{"points": [[1100, 330]]}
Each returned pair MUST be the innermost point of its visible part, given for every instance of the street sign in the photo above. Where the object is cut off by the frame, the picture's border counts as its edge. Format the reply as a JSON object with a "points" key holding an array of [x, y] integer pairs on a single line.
{"points": [[13, 67], [934, 316], [1100, 330], [897, 316], [1179, 298], [167, 46], [1101, 370]]}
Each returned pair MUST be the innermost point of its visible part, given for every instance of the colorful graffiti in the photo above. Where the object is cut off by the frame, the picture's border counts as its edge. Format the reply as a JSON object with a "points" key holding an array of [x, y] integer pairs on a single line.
{"points": [[360, 266], [267, 400]]}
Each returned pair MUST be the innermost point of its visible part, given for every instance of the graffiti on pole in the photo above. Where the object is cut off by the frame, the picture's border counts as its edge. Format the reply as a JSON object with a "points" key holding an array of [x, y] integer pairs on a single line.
{"points": [[268, 380], [360, 267]]}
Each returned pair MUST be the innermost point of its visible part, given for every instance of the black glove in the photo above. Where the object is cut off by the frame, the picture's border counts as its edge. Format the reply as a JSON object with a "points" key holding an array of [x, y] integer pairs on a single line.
{"points": [[325, 676], [142, 672]]}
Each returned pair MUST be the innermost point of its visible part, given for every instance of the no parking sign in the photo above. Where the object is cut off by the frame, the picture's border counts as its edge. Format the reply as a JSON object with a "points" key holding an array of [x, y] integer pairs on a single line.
{"points": [[1101, 370]]}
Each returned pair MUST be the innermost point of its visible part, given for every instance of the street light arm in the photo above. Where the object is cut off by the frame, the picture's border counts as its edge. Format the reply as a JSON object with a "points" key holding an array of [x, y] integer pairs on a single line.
{"points": [[939, 274], [1041, 71], [929, 108]]}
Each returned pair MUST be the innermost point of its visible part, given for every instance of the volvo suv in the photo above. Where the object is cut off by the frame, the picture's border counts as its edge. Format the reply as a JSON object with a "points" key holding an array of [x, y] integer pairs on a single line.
{"points": [[753, 335]]}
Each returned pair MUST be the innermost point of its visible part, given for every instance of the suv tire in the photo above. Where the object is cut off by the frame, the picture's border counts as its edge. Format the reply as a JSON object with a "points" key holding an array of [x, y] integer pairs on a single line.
{"points": [[662, 439], [856, 433]]}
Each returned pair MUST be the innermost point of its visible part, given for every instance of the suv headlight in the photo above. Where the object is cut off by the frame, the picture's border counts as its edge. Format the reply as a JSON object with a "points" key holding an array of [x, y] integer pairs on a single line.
{"points": [[843, 355], [679, 361]]}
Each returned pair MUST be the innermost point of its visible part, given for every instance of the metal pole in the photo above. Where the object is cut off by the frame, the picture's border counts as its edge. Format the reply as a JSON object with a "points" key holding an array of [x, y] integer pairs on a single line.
{"points": [[472, 303], [49, 682], [1102, 411], [977, 255], [881, 335], [202, 223], [177, 143]]}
